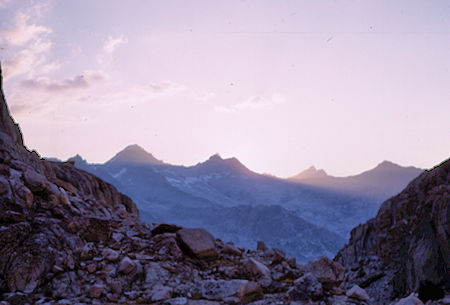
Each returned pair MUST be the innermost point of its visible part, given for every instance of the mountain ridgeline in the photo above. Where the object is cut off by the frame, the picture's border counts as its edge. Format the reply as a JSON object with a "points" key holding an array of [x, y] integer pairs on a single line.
{"points": [[377, 184], [228, 199]]}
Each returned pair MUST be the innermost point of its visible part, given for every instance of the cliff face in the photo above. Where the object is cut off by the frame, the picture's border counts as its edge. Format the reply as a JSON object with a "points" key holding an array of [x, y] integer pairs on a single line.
{"points": [[405, 248], [47, 210], [7, 126]]}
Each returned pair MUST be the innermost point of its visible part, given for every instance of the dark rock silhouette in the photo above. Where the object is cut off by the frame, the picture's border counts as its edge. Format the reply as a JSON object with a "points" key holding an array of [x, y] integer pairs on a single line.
{"points": [[7, 125], [405, 248]]}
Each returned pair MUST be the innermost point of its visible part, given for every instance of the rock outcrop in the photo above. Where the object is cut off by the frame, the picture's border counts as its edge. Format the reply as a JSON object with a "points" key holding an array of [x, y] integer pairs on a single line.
{"points": [[405, 248], [7, 125]]}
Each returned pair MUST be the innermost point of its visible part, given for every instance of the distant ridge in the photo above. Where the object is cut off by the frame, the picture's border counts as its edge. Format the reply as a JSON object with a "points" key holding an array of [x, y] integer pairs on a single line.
{"points": [[134, 154], [216, 163], [310, 173], [382, 181]]}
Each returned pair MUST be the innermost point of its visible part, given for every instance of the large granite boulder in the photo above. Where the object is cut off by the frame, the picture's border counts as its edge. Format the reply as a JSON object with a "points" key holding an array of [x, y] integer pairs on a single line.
{"points": [[198, 243]]}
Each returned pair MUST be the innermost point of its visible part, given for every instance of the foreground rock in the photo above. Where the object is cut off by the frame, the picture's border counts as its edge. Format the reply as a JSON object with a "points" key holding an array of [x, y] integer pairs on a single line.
{"points": [[327, 272], [198, 242], [405, 248], [306, 288], [358, 293]]}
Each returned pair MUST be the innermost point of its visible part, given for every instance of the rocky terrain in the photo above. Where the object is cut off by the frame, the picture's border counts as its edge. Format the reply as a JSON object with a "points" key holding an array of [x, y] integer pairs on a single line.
{"points": [[406, 246], [68, 237]]}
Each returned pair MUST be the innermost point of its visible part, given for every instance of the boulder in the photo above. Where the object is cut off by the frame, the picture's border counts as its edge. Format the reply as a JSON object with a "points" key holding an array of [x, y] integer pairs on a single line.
{"points": [[198, 243], [110, 255], [96, 291], [165, 228], [154, 273], [249, 292], [326, 271], [231, 250], [221, 289], [34, 181], [126, 265], [160, 293], [91, 268], [409, 300], [357, 292], [259, 271], [305, 288], [116, 286]]}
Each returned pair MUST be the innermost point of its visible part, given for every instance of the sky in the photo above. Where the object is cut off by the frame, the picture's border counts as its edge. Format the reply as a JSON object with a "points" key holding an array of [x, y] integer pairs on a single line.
{"points": [[281, 85]]}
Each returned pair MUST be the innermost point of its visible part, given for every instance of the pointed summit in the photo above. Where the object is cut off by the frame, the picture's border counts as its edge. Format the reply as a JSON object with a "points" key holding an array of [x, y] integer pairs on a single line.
{"points": [[216, 163], [310, 173], [7, 125], [78, 160], [387, 165], [215, 157], [134, 154]]}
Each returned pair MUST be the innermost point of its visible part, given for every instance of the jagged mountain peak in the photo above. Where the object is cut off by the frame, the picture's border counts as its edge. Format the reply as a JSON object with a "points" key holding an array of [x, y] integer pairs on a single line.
{"points": [[216, 156], [387, 165], [216, 163], [387, 168], [310, 173], [77, 159], [134, 154]]}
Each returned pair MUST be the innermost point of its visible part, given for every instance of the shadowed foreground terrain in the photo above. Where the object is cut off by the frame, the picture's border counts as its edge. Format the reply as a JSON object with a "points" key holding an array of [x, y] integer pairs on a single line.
{"points": [[67, 237]]}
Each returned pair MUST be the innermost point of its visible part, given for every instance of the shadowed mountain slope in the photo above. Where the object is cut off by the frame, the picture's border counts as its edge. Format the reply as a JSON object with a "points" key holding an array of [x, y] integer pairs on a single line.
{"points": [[378, 184]]}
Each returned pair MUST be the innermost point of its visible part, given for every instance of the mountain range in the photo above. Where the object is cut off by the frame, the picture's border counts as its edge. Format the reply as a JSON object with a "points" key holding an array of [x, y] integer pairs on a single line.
{"points": [[223, 196], [68, 237]]}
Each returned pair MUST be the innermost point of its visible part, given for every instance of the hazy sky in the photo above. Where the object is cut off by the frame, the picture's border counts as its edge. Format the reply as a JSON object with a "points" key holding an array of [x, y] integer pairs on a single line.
{"points": [[281, 85]]}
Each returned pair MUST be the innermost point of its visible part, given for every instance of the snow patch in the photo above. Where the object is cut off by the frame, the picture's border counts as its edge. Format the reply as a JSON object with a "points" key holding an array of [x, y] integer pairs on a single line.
{"points": [[120, 173]]}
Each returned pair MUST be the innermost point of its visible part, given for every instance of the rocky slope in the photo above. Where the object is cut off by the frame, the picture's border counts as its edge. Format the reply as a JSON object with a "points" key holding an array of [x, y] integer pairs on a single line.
{"points": [[405, 248]]}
